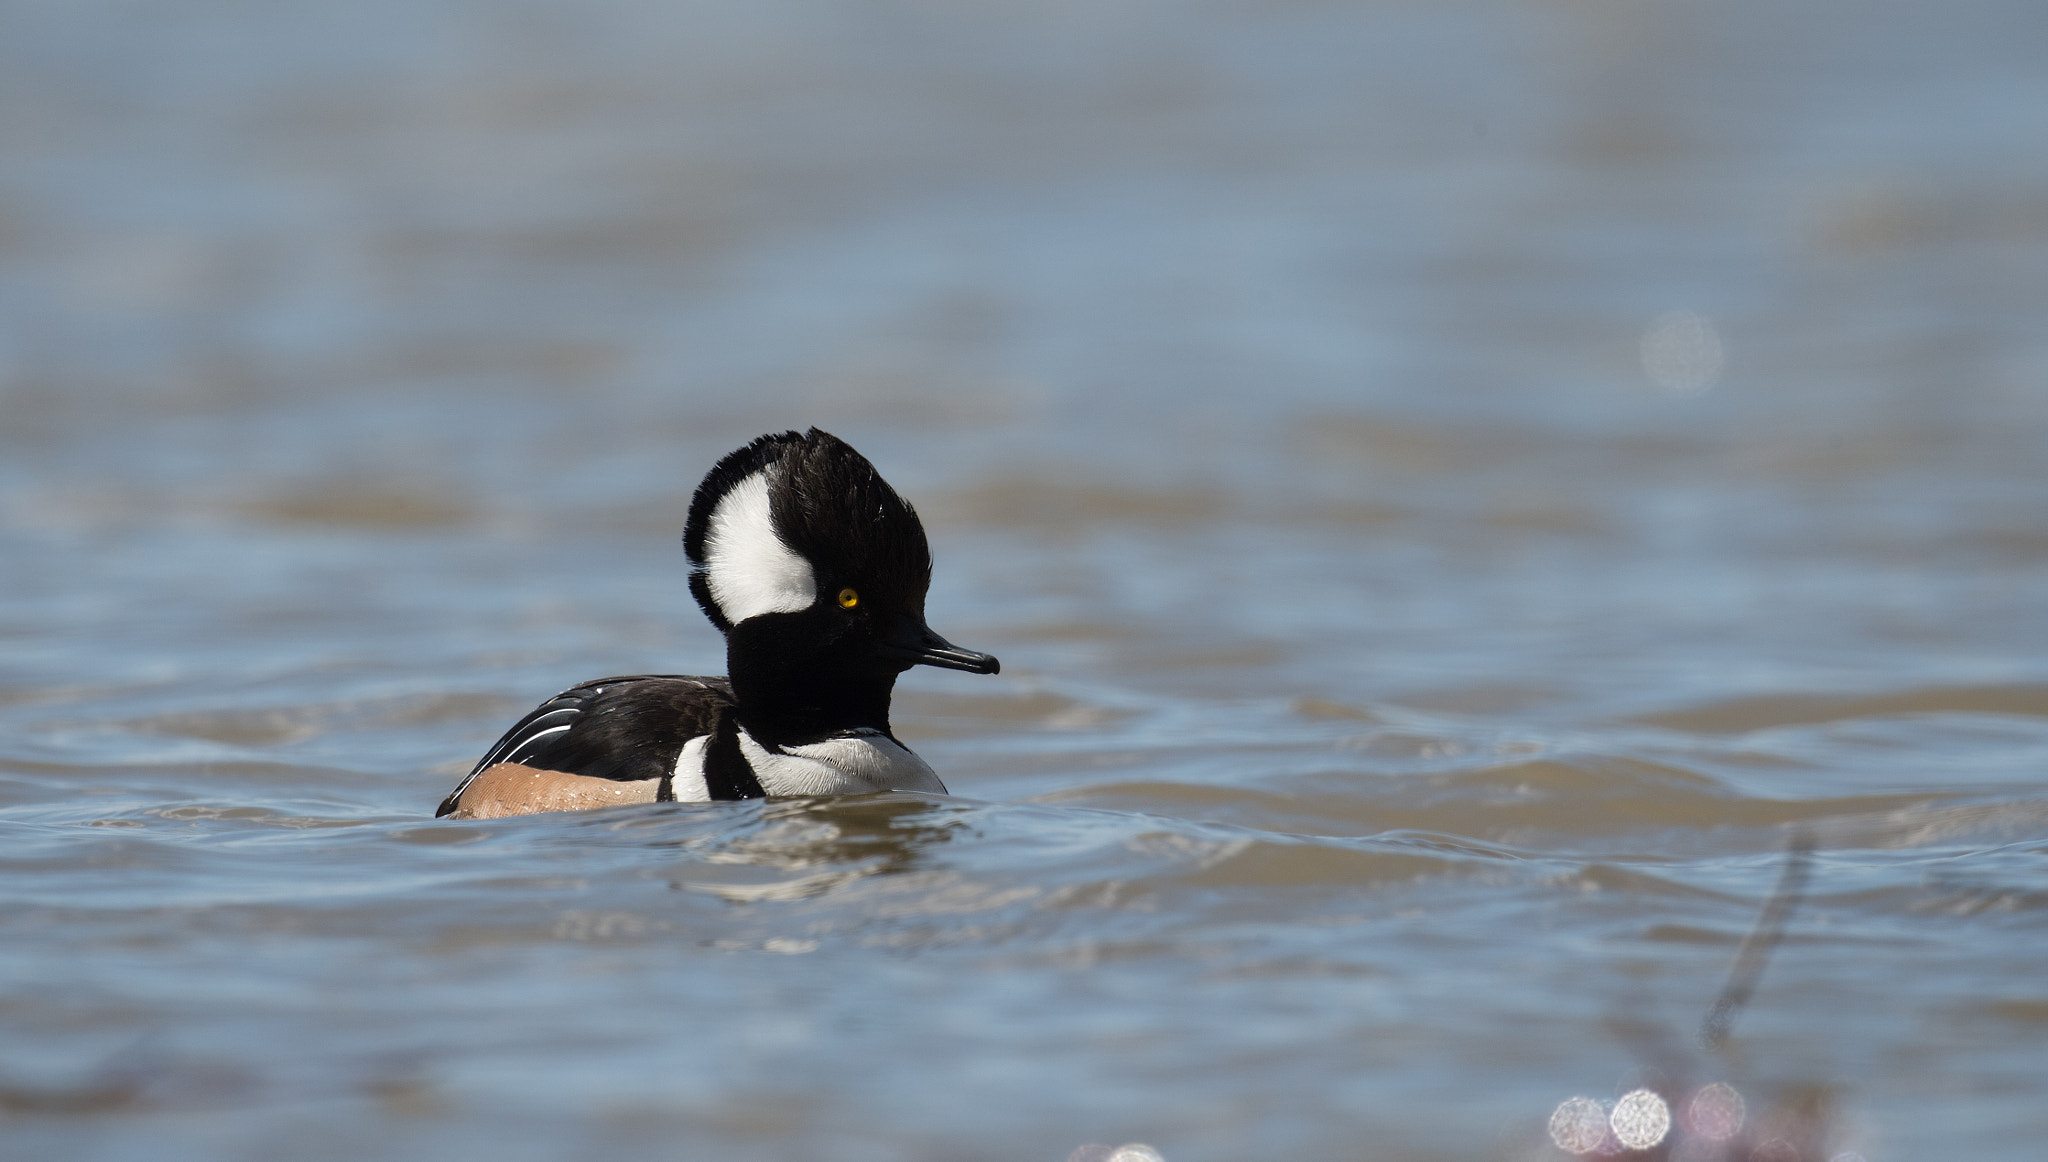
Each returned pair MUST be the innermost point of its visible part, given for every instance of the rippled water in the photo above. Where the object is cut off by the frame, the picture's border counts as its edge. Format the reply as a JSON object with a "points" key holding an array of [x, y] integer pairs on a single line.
{"points": [[1453, 487]]}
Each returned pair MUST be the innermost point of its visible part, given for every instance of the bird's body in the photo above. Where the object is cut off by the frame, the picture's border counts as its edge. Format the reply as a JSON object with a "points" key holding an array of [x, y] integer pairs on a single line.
{"points": [[816, 571]]}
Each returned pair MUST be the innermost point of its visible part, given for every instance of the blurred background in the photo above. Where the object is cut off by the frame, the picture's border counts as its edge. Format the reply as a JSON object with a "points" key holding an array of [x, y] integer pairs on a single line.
{"points": [[1450, 484]]}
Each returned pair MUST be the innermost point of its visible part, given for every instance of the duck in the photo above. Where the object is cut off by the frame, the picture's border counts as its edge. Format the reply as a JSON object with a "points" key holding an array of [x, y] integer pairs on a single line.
{"points": [[816, 571]]}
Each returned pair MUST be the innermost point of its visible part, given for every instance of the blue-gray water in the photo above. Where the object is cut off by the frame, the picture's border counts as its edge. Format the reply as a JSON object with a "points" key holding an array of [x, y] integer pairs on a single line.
{"points": [[1452, 486]]}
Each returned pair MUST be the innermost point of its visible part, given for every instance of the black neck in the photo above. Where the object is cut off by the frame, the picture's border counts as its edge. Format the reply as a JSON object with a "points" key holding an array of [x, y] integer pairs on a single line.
{"points": [[790, 690]]}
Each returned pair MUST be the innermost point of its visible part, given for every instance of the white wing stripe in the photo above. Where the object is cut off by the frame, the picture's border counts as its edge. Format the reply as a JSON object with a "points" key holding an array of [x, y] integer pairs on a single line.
{"points": [[524, 744]]}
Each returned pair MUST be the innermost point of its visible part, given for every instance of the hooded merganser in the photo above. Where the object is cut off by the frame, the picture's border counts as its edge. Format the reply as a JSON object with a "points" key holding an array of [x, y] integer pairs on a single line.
{"points": [[815, 571]]}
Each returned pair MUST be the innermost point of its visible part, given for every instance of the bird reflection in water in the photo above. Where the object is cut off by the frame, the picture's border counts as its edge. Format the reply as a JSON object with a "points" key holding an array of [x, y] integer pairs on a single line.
{"points": [[796, 849], [1133, 1152]]}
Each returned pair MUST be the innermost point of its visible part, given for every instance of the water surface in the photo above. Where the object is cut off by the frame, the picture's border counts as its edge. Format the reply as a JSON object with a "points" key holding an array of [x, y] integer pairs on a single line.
{"points": [[1453, 487]]}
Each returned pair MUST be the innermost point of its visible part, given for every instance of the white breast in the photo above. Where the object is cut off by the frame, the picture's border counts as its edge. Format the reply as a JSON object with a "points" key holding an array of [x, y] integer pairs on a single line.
{"points": [[867, 761]]}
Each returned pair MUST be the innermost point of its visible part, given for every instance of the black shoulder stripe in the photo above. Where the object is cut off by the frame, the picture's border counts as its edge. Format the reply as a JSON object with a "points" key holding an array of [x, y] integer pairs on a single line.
{"points": [[727, 774]]}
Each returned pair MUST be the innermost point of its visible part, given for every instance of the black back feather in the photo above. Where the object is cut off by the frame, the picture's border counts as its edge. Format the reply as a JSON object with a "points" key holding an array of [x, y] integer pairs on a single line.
{"points": [[626, 729]]}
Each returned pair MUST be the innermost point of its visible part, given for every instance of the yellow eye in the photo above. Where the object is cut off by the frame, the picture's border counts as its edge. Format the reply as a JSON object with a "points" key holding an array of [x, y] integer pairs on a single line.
{"points": [[848, 599]]}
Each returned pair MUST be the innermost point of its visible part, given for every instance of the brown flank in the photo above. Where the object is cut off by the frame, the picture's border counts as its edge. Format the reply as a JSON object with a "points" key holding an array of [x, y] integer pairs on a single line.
{"points": [[512, 789]]}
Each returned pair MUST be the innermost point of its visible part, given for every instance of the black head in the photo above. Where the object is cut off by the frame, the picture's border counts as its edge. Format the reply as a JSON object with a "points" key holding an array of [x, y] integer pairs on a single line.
{"points": [[816, 570]]}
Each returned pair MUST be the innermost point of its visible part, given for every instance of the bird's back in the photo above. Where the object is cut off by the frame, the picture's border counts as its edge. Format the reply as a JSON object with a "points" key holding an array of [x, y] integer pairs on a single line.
{"points": [[626, 730]]}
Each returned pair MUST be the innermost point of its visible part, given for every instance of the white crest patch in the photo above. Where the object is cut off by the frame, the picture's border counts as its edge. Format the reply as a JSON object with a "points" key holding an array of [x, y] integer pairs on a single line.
{"points": [[749, 569]]}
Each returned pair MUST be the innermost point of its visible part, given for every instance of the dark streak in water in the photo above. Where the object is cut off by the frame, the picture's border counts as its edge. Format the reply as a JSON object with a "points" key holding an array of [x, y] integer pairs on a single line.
{"points": [[1755, 952]]}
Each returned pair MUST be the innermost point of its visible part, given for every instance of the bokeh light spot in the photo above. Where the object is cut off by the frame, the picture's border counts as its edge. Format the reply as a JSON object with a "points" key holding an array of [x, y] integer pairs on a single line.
{"points": [[1578, 1125], [1682, 352], [1640, 1119], [1715, 1112]]}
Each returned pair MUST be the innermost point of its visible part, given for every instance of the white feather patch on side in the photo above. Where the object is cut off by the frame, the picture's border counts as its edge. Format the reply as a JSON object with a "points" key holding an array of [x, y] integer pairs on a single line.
{"points": [[749, 569], [686, 781]]}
